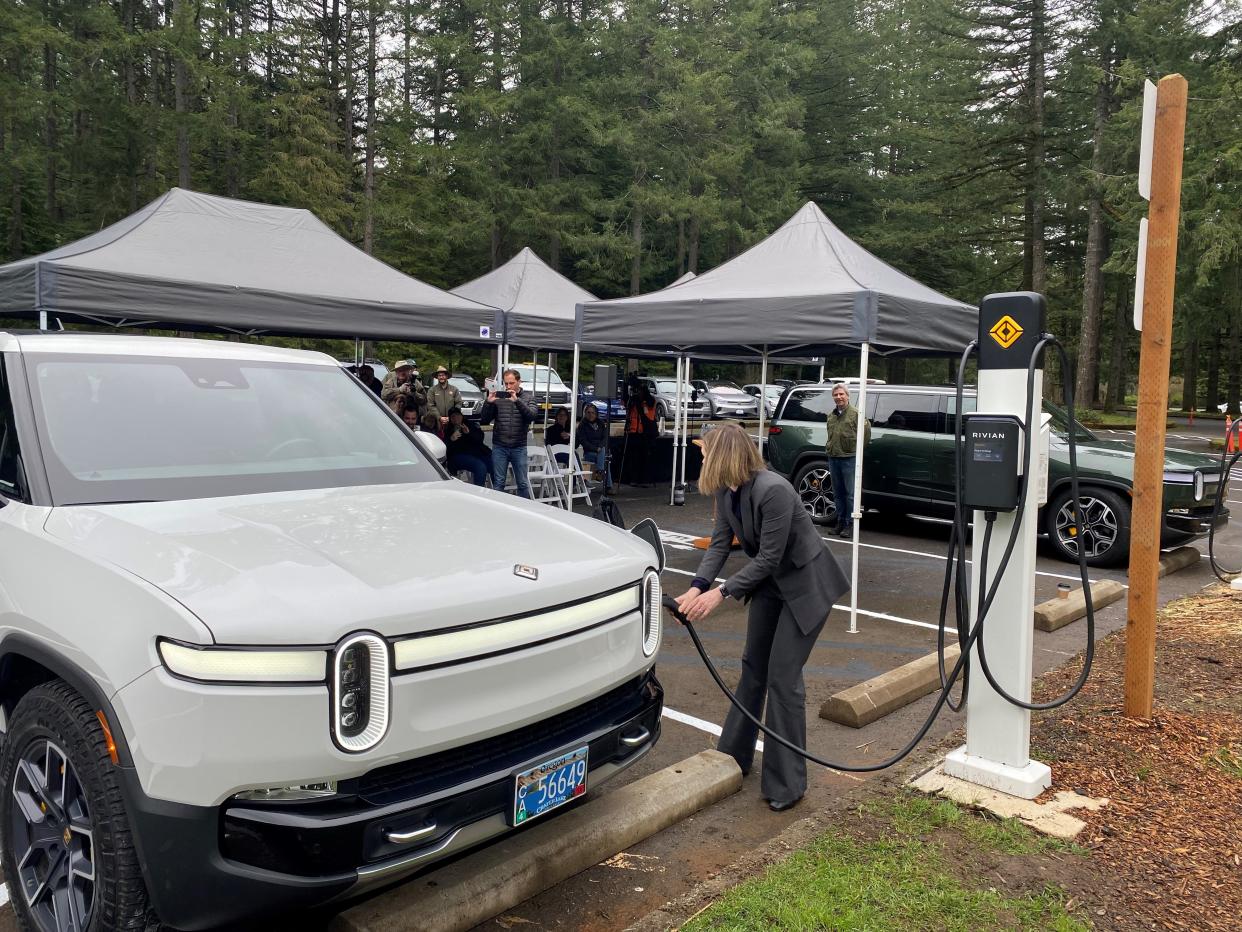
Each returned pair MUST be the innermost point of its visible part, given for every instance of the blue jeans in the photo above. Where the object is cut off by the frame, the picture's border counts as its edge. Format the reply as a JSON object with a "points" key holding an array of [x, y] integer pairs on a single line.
{"points": [[842, 470], [472, 464], [600, 460], [502, 459]]}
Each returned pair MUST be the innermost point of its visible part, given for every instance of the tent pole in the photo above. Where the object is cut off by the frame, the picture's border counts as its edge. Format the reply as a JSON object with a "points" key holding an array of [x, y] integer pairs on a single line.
{"points": [[547, 391], [859, 435], [573, 426], [685, 424], [763, 396], [357, 352], [672, 479]]}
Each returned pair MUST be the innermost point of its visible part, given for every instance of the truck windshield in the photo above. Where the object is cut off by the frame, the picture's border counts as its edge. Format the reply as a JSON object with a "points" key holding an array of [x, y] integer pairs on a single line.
{"points": [[1060, 423], [132, 428]]}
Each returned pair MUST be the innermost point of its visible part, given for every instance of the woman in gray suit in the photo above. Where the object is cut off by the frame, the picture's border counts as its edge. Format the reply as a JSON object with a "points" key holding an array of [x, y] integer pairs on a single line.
{"points": [[791, 583]]}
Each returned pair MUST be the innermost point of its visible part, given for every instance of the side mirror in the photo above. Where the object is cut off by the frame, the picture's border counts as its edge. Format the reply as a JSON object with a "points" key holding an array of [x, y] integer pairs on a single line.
{"points": [[432, 444], [650, 532]]}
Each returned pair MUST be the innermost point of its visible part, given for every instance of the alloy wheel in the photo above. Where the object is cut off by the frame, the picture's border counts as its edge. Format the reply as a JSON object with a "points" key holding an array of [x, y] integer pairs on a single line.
{"points": [[815, 490], [50, 832], [1098, 532]]}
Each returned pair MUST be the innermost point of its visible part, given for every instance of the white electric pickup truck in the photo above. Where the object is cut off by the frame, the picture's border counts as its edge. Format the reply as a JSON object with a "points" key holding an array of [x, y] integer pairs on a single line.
{"points": [[258, 651]]}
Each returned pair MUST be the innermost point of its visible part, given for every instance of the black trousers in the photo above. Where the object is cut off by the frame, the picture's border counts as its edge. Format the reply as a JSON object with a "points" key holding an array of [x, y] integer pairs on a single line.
{"points": [[776, 651], [638, 457]]}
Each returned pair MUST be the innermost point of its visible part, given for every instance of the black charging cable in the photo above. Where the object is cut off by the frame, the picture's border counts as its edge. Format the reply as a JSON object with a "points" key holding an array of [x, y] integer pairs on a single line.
{"points": [[1227, 462]]}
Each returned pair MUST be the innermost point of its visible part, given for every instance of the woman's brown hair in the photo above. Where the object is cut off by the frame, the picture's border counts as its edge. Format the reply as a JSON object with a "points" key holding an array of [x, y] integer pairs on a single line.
{"points": [[730, 459]]}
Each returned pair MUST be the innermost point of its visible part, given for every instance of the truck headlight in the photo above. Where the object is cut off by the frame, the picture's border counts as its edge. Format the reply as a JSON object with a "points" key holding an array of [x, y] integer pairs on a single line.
{"points": [[243, 664], [360, 692], [651, 612]]}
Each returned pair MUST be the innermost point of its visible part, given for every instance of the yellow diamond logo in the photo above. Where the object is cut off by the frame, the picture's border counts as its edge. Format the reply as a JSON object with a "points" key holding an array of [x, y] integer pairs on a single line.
{"points": [[1006, 332]]}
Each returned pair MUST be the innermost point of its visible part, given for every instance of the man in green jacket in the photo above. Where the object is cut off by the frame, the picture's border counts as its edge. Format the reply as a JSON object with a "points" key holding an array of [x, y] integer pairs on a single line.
{"points": [[443, 396], [842, 443]]}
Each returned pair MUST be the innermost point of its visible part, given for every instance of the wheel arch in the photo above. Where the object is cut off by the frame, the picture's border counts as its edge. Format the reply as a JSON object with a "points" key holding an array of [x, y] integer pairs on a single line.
{"points": [[26, 663], [1113, 485]]}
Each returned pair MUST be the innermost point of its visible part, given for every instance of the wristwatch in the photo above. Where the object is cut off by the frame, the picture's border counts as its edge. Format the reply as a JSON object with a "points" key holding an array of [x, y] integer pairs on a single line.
{"points": [[724, 592]]}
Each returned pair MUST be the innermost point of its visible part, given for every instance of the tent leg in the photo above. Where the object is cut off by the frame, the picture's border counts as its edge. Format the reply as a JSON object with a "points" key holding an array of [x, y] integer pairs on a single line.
{"points": [[858, 468], [573, 423], [685, 426], [357, 352], [763, 396], [672, 479], [547, 391]]}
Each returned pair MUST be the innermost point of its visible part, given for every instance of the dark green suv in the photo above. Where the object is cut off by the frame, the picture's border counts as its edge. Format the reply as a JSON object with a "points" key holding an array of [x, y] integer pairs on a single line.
{"points": [[908, 467]]}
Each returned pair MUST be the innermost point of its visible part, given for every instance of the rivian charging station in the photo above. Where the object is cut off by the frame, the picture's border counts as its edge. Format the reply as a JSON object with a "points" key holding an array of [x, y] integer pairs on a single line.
{"points": [[991, 460]]}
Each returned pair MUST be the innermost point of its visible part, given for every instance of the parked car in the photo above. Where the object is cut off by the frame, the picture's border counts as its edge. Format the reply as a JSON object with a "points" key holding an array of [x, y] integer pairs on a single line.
{"points": [[664, 389], [232, 681], [909, 467], [471, 395], [771, 396], [545, 384], [608, 408], [728, 400]]}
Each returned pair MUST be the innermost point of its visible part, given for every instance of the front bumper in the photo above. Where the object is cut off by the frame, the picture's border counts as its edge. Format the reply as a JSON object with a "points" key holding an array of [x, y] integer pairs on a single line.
{"points": [[208, 866], [1193, 521]]}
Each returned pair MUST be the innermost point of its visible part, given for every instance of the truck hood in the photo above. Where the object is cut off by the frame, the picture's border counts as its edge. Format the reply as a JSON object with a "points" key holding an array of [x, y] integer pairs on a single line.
{"points": [[1121, 452], [309, 567]]}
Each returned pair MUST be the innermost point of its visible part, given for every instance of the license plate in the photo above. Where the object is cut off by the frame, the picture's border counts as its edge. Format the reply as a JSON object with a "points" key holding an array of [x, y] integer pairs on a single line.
{"points": [[740, 411], [553, 783]]}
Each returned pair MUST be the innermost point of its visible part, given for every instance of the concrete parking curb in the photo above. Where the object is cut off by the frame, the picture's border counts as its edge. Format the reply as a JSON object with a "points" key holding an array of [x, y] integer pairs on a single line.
{"points": [[1179, 559], [1057, 613], [874, 698], [479, 886]]}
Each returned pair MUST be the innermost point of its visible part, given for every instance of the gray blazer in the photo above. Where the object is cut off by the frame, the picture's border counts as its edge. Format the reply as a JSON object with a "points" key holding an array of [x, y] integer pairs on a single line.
{"points": [[778, 535]]}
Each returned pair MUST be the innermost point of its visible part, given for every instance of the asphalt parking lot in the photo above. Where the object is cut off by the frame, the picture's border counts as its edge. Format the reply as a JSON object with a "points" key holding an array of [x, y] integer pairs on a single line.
{"points": [[900, 577]]}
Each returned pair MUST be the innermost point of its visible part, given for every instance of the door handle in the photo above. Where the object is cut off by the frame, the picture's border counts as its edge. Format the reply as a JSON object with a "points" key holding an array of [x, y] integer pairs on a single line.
{"points": [[633, 741], [404, 838]]}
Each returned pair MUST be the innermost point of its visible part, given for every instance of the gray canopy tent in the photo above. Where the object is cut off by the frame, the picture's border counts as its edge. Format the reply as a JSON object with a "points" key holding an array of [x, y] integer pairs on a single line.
{"points": [[539, 302], [195, 261], [807, 289]]}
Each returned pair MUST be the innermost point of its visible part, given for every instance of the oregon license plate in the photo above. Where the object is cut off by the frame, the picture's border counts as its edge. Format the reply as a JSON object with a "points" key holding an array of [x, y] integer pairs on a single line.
{"points": [[548, 785]]}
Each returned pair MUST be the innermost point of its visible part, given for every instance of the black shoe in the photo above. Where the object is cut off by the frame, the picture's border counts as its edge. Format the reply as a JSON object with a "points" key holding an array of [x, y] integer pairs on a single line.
{"points": [[781, 807], [847, 533]]}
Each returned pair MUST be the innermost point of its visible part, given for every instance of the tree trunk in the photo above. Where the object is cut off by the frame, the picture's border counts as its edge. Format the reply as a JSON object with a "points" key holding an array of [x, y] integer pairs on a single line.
{"points": [[897, 370], [347, 114], [1116, 367], [636, 266], [692, 258], [1211, 397], [1097, 250], [181, 83], [130, 71], [368, 177], [681, 247], [15, 213], [496, 243], [1234, 381], [1190, 374], [1036, 273], [51, 127]]}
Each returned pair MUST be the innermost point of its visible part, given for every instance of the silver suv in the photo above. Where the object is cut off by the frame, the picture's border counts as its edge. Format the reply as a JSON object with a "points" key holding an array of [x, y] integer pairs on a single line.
{"points": [[664, 390], [235, 676]]}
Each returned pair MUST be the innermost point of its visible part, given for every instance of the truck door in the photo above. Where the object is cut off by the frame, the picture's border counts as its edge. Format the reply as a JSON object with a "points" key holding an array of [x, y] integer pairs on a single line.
{"points": [[903, 435]]}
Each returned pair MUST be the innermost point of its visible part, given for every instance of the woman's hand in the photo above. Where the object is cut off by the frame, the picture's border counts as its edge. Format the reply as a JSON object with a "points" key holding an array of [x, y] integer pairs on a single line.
{"points": [[686, 598], [704, 605]]}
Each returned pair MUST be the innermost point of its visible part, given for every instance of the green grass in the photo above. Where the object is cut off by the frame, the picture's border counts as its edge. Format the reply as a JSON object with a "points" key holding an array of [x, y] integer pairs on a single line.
{"points": [[1229, 760], [898, 881]]}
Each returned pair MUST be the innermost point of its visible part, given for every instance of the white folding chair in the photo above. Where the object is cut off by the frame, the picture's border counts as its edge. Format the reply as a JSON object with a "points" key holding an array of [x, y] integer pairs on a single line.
{"points": [[573, 476], [544, 476]]}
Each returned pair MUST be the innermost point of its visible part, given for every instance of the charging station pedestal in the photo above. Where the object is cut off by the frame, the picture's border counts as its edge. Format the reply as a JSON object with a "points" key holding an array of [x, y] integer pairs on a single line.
{"points": [[997, 749]]}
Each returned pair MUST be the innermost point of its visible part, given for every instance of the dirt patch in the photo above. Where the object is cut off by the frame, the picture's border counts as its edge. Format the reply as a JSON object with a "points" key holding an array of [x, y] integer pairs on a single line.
{"points": [[1170, 841]]}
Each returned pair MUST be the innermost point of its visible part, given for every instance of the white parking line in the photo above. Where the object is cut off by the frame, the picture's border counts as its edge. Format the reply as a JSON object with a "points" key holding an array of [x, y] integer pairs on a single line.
{"points": [[844, 608], [940, 556]]}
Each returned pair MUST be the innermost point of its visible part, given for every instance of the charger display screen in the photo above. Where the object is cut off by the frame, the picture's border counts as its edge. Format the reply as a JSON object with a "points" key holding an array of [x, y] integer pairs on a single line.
{"points": [[988, 451]]}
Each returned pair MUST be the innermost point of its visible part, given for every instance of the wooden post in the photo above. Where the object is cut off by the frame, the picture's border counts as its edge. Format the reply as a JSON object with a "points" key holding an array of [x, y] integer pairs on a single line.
{"points": [[1153, 393]]}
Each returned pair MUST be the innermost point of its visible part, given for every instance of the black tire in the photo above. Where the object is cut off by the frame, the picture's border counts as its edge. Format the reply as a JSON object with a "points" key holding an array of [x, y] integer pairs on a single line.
{"points": [[52, 722], [813, 483], [1106, 527]]}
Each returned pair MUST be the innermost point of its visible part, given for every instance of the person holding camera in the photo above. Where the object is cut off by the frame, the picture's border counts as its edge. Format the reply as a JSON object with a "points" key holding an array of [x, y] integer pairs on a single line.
{"points": [[466, 449], [403, 380], [512, 410]]}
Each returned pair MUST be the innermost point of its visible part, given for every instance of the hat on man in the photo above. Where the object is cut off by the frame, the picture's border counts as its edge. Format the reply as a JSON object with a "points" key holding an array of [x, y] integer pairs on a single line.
{"points": [[405, 364], [442, 369]]}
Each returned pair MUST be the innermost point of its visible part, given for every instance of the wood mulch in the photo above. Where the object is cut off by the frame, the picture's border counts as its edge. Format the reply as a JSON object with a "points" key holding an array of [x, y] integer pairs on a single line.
{"points": [[1169, 843]]}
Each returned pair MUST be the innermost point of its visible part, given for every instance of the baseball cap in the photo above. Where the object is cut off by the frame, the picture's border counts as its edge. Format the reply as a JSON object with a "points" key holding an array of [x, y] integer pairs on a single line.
{"points": [[405, 364]]}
